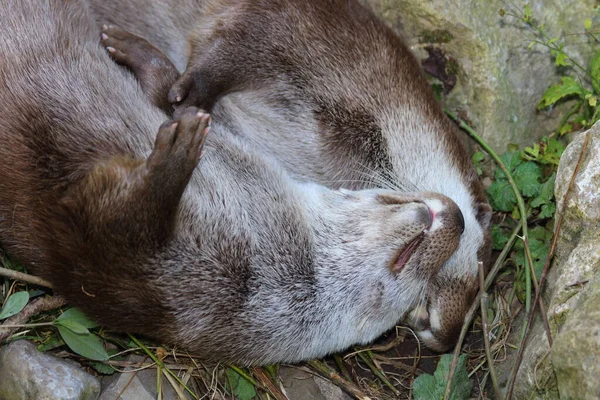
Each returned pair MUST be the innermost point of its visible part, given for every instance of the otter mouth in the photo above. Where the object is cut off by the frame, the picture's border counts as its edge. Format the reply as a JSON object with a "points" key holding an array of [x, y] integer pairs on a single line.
{"points": [[405, 252]]}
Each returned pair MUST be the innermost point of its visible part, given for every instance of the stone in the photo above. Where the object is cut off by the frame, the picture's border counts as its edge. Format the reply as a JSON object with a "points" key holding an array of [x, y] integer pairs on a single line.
{"points": [[575, 281], [572, 292], [142, 386], [500, 80], [576, 351], [301, 385], [26, 374]]}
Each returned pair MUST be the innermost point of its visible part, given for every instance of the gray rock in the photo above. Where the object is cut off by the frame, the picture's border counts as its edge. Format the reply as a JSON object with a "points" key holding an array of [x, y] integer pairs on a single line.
{"points": [[576, 351], [575, 281], [571, 370], [141, 387], [500, 81], [301, 385], [26, 374]]}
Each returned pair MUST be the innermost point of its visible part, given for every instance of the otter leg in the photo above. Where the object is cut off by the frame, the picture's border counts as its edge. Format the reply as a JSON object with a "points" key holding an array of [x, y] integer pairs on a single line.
{"points": [[129, 205], [215, 68], [155, 72]]}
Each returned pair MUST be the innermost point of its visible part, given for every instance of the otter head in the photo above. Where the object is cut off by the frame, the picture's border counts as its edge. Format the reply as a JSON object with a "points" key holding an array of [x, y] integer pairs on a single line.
{"points": [[440, 317], [386, 252]]}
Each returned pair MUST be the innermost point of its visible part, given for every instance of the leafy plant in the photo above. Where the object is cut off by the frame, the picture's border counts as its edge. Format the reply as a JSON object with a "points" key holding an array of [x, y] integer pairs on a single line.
{"points": [[239, 386], [528, 170], [14, 304], [433, 387], [584, 88], [73, 327]]}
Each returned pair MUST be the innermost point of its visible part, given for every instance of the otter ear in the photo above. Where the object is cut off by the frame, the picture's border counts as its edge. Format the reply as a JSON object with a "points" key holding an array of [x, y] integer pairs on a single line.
{"points": [[484, 215]]}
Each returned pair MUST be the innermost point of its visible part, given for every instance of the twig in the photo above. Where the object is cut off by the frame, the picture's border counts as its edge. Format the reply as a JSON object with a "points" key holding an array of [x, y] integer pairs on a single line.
{"points": [[268, 384], [35, 307], [340, 364], [559, 220], [365, 356], [160, 363], [244, 375], [486, 338], [334, 377], [538, 299], [173, 383], [471, 314], [12, 274]]}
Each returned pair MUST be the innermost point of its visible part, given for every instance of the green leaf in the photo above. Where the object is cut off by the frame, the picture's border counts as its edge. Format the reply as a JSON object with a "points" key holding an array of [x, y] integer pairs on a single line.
{"points": [[533, 152], [545, 196], [587, 24], [527, 16], [510, 159], [539, 241], [424, 387], [73, 326], [502, 198], [566, 128], [547, 211], [104, 369], [14, 304], [477, 159], [553, 150], [499, 238], [568, 87], [76, 315], [527, 178], [595, 72], [240, 387], [562, 59], [428, 387], [87, 345], [51, 343]]}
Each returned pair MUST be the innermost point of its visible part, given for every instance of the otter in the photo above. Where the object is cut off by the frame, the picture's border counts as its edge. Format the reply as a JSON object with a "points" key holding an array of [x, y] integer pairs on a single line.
{"points": [[154, 226], [329, 91]]}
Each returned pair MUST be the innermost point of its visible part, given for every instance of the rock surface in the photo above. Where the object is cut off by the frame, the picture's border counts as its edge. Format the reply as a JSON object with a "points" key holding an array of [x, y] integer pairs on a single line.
{"points": [[576, 278], [301, 385], [500, 80], [572, 368], [26, 374], [141, 386]]}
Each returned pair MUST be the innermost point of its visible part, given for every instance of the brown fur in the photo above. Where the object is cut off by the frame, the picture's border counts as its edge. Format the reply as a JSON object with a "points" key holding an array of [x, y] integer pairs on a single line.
{"points": [[226, 254], [372, 117]]}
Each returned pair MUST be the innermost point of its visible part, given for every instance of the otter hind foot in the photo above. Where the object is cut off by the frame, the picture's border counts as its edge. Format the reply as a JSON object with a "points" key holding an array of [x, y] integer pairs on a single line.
{"points": [[154, 71]]}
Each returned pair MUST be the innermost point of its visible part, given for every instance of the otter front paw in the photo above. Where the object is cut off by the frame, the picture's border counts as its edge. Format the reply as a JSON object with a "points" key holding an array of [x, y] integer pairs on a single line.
{"points": [[178, 148]]}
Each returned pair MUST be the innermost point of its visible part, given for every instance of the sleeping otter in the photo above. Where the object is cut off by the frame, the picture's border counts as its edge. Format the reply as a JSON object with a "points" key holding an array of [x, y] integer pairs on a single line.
{"points": [[329, 91], [225, 254]]}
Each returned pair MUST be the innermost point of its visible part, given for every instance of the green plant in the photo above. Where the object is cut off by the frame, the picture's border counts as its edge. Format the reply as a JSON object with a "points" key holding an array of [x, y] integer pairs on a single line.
{"points": [[583, 89], [432, 387], [14, 304], [239, 386], [73, 327]]}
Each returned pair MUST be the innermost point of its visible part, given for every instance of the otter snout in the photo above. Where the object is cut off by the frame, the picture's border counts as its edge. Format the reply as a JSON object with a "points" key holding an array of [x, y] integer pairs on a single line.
{"points": [[438, 323]]}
